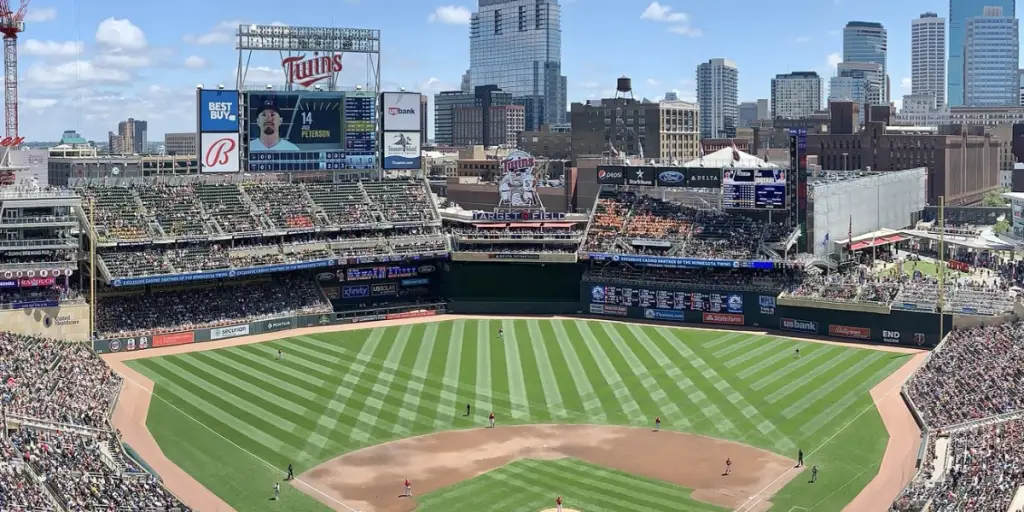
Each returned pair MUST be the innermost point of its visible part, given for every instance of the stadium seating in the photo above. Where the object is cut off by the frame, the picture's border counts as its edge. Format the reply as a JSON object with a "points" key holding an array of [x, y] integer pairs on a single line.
{"points": [[640, 224], [118, 213], [285, 205], [400, 201], [170, 311], [344, 204], [176, 209], [227, 206]]}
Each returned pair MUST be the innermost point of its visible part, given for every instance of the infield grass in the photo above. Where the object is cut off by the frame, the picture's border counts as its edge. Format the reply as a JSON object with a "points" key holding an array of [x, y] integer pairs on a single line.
{"points": [[224, 415]]}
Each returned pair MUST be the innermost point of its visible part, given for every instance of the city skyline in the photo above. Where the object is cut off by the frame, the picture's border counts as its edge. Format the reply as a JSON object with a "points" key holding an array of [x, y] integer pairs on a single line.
{"points": [[86, 69]]}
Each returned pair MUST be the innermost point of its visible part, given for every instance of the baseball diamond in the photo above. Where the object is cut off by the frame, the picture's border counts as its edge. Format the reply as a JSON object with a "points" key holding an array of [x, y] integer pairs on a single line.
{"points": [[357, 411]]}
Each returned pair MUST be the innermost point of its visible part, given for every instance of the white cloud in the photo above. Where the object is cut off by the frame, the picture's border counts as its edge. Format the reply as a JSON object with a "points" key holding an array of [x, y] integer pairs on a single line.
{"points": [[121, 60], [41, 14], [195, 62], [653, 83], [65, 49], [906, 84], [663, 13], [451, 15], [434, 85], [590, 84], [680, 21], [256, 75], [833, 60], [73, 74], [121, 34], [39, 103], [222, 33]]}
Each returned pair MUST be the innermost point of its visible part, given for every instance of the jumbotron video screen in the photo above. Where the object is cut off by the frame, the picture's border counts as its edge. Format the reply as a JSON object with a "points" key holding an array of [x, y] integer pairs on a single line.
{"points": [[310, 131]]}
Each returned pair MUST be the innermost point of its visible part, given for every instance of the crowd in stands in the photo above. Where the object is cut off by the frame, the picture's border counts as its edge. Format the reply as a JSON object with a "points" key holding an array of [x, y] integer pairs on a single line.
{"points": [[42, 293], [626, 222], [144, 211], [737, 280], [959, 296], [978, 372], [983, 471], [61, 393], [141, 314], [858, 285]]}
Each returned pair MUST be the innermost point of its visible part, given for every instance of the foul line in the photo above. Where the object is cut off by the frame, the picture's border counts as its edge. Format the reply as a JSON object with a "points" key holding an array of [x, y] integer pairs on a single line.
{"points": [[232, 443], [751, 502]]}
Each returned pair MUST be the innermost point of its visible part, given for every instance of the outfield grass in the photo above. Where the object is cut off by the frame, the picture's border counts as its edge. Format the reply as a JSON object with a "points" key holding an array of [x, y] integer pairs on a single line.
{"points": [[337, 392]]}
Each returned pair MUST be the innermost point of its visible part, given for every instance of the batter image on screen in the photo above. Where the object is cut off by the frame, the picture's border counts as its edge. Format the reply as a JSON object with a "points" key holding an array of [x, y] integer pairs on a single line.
{"points": [[269, 121], [518, 185]]}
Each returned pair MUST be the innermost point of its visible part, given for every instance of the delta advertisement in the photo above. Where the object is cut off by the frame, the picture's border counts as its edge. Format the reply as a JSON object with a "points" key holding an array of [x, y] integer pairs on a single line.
{"points": [[401, 111], [656, 176], [218, 153], [402, 150], [759, 311], [218, 111]]}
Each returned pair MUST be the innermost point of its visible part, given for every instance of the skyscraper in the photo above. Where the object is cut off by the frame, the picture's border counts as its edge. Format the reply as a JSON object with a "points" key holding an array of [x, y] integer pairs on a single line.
{"points": [[517, 46], [796, 95], [991, 53], [717, 95], [865, 41], [959, 12], [928, 56], [859, 82], [133, 135]]}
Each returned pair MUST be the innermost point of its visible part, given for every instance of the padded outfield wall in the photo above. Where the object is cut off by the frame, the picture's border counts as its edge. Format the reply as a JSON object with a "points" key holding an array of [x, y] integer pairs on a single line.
{"points": [[512, 288]]}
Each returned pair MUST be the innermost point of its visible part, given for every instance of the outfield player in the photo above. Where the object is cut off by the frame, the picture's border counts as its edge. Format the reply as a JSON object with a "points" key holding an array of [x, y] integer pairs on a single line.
{"points": [[814, 474], [657, 423], [408, 488], [490, 420], [796, 355], [467, 409], [728, 466], [277, 491], [558, 504], [280, 355], [501, 333]]}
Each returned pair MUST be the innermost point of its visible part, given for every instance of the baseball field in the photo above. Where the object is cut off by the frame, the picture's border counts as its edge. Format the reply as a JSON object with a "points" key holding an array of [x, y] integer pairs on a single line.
{"points": [[359, 411]]}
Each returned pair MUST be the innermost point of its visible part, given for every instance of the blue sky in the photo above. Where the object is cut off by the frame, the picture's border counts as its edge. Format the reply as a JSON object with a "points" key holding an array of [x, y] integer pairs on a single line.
{"points": [[87, 65]]}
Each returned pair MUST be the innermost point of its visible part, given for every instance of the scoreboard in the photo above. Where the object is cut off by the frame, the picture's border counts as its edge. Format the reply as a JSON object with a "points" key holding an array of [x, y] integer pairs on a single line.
{"points": [[758, 189], [318, 130], [665, 299]]}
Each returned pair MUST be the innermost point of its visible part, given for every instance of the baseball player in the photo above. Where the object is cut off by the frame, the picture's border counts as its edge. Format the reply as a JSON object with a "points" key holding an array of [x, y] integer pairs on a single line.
{"points": [[501, 333], [291, 472], [467, 409], [796, 355], [800, 458], [280, 355], [408, 488], [277, 491], [814, 474], [657, 423], [490, 420], [558, 504], [728, 466]]}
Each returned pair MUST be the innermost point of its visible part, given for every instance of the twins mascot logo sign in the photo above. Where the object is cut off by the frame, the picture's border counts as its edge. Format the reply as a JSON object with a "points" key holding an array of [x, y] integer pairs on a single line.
{"points": [[518, 185]]}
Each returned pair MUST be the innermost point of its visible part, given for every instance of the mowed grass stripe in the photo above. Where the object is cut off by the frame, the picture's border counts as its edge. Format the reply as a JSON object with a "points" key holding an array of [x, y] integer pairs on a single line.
{"points": [[519, 398], [535, 398], [382, 386], [737, 345], [250, 435], [803, 378], [483, 384], [593, 406], [786, 352], [450, 382], [548, 381], [661, 403], [570, 402], [819, 390], [721, 338], [675, 382], [774, 346], [848, 397], [806, 360], [409, 412], [768, 430], [613, 381]]}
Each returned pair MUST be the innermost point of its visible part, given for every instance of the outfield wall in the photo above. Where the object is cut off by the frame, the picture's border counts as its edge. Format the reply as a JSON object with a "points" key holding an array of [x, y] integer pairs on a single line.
{"points": [[69, 322], [751, 309], [129, 344]]}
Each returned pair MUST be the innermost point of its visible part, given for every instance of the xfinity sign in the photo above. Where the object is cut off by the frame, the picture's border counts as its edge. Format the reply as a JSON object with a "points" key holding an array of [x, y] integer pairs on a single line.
{"points": [[402, 111]]}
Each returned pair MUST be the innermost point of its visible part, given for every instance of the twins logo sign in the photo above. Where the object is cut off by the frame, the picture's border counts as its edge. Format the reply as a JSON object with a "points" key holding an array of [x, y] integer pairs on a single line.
{"points": [[219, 152]]}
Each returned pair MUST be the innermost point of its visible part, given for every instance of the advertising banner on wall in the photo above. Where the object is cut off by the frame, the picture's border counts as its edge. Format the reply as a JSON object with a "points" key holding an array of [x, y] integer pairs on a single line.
{"points": [[401, 111], [402, 150], [218, 111], [229, 332], [610, 175], [218, 153]]}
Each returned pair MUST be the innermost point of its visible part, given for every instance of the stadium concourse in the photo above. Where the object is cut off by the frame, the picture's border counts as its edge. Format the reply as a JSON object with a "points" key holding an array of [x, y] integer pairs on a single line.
{"points": [[189, 254]]}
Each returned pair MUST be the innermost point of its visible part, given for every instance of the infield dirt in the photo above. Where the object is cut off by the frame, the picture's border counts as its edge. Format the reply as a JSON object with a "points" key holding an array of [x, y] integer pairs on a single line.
{"points": [[749, 488]]}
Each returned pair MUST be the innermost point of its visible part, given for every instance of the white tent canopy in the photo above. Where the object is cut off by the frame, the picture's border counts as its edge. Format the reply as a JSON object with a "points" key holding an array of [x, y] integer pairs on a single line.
{"points": [[725, 158]]}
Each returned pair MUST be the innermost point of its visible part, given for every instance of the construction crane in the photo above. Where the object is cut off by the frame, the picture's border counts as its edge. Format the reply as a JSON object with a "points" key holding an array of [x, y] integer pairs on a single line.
{"points": [[12, 23]]}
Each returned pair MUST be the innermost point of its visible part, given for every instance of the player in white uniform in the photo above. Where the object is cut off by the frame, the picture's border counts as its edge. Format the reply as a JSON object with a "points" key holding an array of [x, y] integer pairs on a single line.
{"points": [[269, 122]]}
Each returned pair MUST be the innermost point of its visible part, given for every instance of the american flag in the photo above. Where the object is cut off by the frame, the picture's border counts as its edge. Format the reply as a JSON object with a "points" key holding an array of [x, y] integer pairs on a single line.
{"points": [[849, 236], [700, 149], [735, 152]]}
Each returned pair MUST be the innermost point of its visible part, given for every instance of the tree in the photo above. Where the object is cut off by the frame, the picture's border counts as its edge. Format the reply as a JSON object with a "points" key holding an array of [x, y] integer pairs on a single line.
{"points": [[1001, 227], [994, 199]]}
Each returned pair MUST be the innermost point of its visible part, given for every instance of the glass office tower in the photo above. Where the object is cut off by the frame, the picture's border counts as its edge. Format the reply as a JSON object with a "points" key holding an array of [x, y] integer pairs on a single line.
{"points": [[990, 60], [517, 46], [959, 12], [867, 42]]}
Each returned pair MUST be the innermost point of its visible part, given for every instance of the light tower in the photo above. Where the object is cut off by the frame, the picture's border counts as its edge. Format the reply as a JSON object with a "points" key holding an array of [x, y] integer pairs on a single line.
{"points": [[11, 24]]}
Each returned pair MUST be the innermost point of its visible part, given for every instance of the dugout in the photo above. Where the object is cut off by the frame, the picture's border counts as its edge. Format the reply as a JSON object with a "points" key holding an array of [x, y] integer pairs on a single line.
{"points": [[512, 288]]}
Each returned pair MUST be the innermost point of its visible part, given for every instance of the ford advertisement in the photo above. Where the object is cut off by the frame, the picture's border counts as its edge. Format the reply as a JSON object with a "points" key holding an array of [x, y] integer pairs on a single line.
{"points": [[218, 111]]}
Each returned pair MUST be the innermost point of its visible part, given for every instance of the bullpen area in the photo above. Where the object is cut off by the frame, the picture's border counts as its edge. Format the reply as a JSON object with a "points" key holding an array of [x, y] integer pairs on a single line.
{"points": [[356, 412]]}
